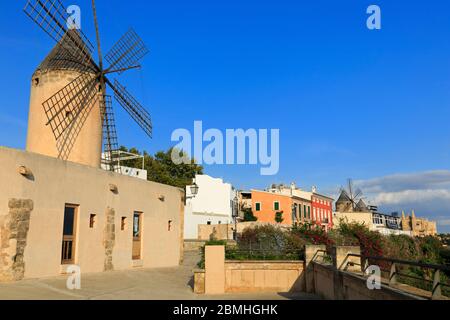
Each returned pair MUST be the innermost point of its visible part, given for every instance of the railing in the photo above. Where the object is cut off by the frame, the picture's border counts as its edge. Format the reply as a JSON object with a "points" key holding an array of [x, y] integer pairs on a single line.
{"points": [[323, 257], [395, 273]]}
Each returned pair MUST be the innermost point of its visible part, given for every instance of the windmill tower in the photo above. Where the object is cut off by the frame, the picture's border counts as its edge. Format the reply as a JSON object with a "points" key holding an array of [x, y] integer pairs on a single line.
{"points": [[71, 112], [350, 199]]}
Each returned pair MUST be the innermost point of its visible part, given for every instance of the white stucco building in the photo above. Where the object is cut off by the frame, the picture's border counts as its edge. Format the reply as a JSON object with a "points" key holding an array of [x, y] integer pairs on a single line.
{"points": [[214, 203]]}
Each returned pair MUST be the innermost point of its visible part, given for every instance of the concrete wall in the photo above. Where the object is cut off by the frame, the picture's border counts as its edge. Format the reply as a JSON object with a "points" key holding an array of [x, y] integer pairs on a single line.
{"points": [[264, 276], [343, 279], [358, 217], [54, 183], [339, 285], [222, 276], [211, 205], [219, 231]]}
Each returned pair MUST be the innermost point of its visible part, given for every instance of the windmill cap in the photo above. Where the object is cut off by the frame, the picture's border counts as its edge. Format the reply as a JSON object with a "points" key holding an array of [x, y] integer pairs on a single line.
{"points": [[70, 53]]}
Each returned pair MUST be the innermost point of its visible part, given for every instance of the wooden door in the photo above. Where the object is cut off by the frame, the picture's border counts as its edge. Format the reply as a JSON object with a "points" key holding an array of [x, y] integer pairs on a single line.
{"points": [[69, 234]]}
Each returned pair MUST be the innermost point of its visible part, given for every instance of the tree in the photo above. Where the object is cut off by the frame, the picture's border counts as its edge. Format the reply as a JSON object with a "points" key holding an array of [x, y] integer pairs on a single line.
{"points": [[160, 167], [279, 217], [248, 215]]}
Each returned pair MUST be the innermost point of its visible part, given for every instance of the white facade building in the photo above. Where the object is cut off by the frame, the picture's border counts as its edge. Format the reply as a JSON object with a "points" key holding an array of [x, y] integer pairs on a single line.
{"points": [[215, 203]]}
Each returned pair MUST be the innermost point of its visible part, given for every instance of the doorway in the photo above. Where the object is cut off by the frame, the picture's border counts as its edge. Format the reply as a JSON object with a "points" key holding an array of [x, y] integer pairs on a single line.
{"points": [[69, 234], [137, 236]]}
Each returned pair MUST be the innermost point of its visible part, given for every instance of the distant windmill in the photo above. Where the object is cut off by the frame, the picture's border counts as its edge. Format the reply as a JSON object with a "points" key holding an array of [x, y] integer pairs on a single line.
{"points": [[68, 110], [350, 199]]}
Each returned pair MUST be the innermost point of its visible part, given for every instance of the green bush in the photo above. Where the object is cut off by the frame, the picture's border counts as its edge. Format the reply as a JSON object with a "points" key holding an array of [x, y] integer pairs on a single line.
{"points": [[249, 216]]}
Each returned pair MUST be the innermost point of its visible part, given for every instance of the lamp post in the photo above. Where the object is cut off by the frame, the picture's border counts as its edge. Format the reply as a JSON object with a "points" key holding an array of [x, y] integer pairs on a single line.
{"points": [[235, 215]]}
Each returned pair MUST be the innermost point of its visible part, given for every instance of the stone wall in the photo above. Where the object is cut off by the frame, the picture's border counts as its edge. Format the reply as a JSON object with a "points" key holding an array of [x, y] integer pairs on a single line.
{"points": [[14, 229], [110, 239]]}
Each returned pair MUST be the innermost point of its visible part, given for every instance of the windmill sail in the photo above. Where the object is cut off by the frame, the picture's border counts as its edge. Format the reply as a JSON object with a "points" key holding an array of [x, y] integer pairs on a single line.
{"points": [[51, 16], [133, 107], [68, 109], [127, 52], [64, 106]]}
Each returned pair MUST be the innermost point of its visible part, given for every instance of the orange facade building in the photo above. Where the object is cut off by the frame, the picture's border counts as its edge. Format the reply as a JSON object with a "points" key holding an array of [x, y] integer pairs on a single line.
{"points": [[294, 210]]}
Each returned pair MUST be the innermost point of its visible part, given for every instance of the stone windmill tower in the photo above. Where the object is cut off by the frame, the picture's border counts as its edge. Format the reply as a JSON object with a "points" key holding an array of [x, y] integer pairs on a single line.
{"points": [[82, 141], [70, 111]]}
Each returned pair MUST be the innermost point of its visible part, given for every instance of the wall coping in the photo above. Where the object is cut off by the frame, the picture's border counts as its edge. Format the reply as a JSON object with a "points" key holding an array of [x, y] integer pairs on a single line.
{"points": [[199, 271]]}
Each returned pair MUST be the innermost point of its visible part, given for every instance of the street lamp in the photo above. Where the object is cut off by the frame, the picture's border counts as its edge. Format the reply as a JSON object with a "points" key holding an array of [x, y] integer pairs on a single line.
{"points": [[235, 215], [194, 191]]}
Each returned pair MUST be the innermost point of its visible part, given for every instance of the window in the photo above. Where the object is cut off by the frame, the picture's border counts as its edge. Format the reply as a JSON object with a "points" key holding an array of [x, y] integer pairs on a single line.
{"points": [[170, 225], [123, 223], [377, 219], [276, 206], [92, 221], [208, 223], [294, 213], [309, 212], [258, 206]]}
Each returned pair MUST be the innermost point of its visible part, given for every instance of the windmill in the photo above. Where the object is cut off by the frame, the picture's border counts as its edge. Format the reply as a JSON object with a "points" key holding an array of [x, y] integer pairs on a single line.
{"points": [[74, 105], [350, 199]]}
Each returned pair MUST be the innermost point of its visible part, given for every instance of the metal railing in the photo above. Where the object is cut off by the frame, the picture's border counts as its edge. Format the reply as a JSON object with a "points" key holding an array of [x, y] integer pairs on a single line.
{"points": [[395, 273], [323, 257]]}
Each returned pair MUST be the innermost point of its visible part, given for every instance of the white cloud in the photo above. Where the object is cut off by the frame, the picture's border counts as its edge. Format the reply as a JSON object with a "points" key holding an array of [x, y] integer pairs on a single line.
{"points": [[438, 179], [444, 222], [428, 193], [412, 196]]}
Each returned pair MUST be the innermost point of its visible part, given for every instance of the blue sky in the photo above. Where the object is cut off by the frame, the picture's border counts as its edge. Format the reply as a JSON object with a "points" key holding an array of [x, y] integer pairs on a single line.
{"points": [[349, 102]]}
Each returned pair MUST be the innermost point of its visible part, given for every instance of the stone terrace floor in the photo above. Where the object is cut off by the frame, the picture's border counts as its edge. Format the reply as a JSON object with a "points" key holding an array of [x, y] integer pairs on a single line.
{"points": [[139, 284]]}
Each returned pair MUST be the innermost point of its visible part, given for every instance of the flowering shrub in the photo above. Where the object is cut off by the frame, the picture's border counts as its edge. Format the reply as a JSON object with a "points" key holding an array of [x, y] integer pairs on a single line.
{"points": [[370, 241], [313, 234]]}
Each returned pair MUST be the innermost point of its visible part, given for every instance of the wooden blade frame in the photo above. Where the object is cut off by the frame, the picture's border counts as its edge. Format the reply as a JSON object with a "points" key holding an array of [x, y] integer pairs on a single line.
{"points": [[127, 52], [51, 17], [133, 107]]}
